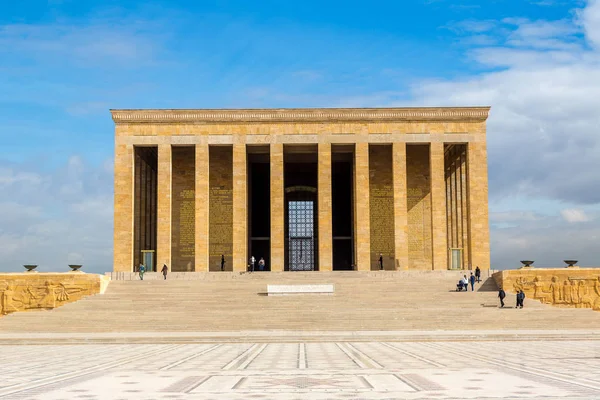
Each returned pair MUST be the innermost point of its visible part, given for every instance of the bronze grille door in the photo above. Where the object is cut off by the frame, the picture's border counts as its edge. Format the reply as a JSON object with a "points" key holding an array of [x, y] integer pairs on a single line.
{"points": [[301, 236]]}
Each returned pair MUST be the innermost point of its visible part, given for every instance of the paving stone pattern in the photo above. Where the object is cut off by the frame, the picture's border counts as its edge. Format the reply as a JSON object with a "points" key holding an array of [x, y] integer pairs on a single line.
{"points": [[343, 370]]}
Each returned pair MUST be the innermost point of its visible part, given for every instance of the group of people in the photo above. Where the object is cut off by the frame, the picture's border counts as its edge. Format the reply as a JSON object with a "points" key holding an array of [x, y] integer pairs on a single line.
{"points": [[520, 298], [463, 284], [261, 263], [142, 271]]}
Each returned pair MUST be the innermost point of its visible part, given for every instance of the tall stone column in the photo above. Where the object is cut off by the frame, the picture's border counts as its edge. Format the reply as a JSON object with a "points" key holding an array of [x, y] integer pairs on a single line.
{"points": [[479, 229], [163, 235], [201, 208], [240, 206], [123, 217], [362, 227], [324, 208], [277, 208], [400, 206], [439, 224]]}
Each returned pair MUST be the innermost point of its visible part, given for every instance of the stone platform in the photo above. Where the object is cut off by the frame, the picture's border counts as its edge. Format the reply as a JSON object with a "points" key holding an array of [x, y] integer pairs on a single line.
{"points": [[376, 370]]}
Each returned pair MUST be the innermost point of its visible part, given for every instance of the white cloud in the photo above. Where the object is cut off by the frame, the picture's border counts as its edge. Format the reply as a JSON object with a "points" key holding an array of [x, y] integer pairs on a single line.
{"points": [[590, 20], [65, 218], [101, 43], [574, 215], [543, 83], [8, 177]]}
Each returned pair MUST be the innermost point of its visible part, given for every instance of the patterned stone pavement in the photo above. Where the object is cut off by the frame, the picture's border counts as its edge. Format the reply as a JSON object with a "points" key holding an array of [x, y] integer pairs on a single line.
{"points": [[345, 370]]}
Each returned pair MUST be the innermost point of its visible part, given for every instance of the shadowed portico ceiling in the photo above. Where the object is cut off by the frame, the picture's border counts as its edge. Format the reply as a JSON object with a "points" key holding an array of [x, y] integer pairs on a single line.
{"points": [[301, 115]]}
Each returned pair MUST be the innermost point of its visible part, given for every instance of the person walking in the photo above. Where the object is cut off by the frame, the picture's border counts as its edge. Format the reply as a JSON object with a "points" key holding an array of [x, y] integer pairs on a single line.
{"points": [[164, 271], [478, 274], [261, 264], [381, 261], [222, 262], [252, 261], [472, 280], [501, 296], [520, 298], [142, 270]]}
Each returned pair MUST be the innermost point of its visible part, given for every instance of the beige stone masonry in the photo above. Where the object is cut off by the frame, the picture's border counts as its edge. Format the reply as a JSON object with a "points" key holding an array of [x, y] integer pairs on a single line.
{"points": [[240, 207], [32, 291], [202, 208], [123, 203], [479, 228], [400, 206], [163, 238], [410, 184], [563, 287], [324, 208], [277, 208], [438, 207], [362, 231], [302, 114]]}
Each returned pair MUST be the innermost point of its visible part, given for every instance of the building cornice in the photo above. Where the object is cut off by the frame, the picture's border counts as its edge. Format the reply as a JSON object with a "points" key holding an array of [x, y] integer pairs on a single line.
{"points": [[300, 115]]}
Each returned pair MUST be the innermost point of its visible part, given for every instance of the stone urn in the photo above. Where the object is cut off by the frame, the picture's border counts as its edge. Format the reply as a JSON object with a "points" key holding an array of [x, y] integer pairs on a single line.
{"points": [[75, 267], [570, 263], [526, 263], [30, 267]]}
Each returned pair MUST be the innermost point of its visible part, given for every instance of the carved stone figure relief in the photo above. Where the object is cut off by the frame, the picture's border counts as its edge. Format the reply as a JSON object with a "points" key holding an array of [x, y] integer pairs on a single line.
{"points": [[578, 292], [21, 295]]}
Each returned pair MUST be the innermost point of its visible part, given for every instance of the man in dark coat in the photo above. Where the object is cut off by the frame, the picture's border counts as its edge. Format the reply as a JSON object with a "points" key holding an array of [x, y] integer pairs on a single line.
{"points": [[520, 299], [472, 281], [164, 271], [501, 296], [380, 261], [222, 262], [478, 274]]}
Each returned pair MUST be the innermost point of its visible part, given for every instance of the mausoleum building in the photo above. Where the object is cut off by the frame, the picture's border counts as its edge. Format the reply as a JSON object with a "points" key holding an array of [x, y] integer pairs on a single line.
{"points": [[305, 189]]}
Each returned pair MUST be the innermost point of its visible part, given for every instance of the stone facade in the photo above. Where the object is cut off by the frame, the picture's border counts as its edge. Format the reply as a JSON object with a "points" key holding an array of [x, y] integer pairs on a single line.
{"points": [[419, 181], [564, 287], [31, 291]]}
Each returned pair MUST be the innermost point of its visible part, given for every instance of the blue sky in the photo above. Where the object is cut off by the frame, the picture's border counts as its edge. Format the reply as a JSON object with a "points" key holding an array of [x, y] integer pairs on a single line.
{"points": [[64, 63]]}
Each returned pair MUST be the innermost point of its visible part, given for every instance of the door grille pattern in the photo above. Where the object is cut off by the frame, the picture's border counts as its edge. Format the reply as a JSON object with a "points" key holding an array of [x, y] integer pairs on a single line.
{"points": [[301, 235]]}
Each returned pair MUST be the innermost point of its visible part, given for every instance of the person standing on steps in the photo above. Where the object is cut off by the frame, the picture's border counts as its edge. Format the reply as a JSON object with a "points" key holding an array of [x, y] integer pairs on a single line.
{"points": [[501, 296], [381, 261], [261, 264], [142, 269], [222, 262], [472, 280], [164, 271], [252, 261], [478, 274]]}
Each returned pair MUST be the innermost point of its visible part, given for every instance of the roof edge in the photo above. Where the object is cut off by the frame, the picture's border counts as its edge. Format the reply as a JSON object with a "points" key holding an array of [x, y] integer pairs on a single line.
{"points": [[157, 116]]}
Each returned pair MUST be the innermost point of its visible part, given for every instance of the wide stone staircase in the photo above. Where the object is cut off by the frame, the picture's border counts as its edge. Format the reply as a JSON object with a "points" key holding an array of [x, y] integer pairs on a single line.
{"points": [[386, 301]]}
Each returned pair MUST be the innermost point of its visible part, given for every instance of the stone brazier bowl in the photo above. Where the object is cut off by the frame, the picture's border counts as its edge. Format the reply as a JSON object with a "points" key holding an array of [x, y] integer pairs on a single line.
{"points": [[527, 263], [75, 267], [570, 263], [30, 267]]}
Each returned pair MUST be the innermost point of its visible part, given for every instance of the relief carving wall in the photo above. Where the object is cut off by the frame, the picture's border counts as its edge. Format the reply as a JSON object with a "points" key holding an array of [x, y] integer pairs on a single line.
{"points": [[34, 291], [566, 287]]}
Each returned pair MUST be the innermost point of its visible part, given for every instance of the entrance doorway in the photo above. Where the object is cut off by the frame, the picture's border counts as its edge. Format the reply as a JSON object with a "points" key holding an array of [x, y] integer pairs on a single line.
{"points": [[301, 206], [301, 230]]}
